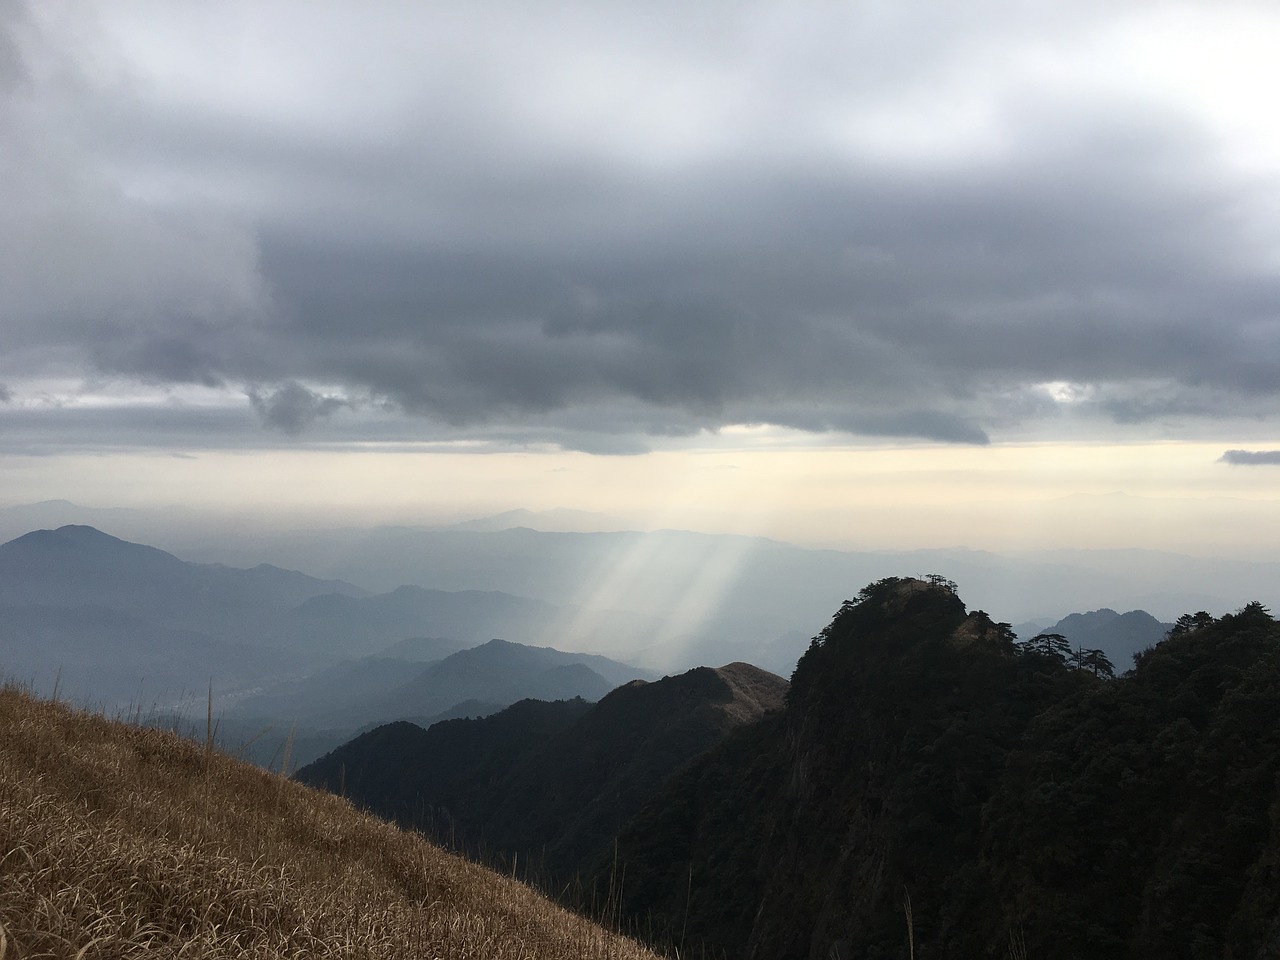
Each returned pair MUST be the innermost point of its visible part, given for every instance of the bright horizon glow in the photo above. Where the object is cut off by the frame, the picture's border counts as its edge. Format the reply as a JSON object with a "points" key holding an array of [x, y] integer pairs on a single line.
{"points": [[1169, 495]]}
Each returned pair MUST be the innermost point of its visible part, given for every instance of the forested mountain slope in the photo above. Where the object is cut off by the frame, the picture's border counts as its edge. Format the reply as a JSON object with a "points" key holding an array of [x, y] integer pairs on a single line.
{"points": [[548, 783], [931, 779]]}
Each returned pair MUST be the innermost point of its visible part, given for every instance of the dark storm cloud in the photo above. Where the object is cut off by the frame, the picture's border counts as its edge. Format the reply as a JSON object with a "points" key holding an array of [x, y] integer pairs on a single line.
{"points": [[502, 256], [1251, 458]]}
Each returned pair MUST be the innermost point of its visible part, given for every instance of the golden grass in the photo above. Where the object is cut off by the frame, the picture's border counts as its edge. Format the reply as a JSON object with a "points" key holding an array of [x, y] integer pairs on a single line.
{"points": [[118, 842]]}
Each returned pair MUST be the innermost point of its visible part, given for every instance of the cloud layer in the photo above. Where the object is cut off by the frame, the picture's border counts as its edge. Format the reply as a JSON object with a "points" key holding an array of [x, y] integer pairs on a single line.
{"points": [[1252, 458], [600, 225]]}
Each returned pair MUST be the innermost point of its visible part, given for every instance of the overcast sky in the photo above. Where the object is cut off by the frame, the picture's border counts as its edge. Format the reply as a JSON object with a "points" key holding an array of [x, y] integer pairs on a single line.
{"points": [[618, 227]]}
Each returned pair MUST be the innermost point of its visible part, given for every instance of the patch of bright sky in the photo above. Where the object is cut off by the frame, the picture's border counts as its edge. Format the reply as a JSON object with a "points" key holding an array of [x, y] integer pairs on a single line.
{"points": [[1158, 495], [1215, 60]]}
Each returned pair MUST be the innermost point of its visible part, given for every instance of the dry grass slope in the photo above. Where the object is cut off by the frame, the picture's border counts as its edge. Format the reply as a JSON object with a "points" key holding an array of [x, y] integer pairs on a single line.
{"points": [[123, 842]]}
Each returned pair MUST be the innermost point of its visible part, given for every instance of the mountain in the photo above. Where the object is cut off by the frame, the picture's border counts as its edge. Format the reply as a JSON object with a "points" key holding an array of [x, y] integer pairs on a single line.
{"points": [[559, 520], [330, 621], [1121, 636], [333, 696], [126, 842], [118, 661], [416, 776], [79, 565], [934, 787], [123, 624], [420, 649], [355, 693], [547, 784], [318, 712], [502, 672]]}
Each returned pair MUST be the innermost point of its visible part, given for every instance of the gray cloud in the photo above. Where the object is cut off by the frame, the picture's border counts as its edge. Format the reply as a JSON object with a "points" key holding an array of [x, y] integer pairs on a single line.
{"points": [[1251, 458], [292, 407], [601, 232]]}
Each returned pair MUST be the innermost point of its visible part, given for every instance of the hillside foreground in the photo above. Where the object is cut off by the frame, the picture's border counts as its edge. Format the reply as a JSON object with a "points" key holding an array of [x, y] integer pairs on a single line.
{"points": [[118, 841]]}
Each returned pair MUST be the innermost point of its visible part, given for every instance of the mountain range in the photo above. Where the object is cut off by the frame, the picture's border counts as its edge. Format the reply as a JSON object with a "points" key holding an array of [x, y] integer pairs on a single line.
{"points": [[332, 705], [670, 600], [926, 784], [1121, 636], [133, 628]]}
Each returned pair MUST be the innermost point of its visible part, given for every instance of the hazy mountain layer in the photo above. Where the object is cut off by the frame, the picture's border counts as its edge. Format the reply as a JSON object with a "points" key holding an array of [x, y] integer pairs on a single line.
{"points": [[358, 693], [1120, 635], [122, 625], [702, 598]]}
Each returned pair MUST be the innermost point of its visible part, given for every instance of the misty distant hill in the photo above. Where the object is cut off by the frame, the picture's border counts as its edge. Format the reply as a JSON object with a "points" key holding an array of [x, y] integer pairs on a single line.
{"points": [[548, 521], [356, 693], [548, 781], [116, 660], [330, 706], [82, 566], [675, 599], [504, 672], [1119, 635], [123, 624], [332, 621]]}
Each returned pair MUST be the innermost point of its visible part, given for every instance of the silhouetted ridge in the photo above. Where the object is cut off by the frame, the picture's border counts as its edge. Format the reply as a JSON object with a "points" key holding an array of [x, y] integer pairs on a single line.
{"points": [[549, 784]]}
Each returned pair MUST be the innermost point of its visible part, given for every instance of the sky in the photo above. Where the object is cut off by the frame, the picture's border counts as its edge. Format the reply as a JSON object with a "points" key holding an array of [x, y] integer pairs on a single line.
{"points": [[896, 274]]}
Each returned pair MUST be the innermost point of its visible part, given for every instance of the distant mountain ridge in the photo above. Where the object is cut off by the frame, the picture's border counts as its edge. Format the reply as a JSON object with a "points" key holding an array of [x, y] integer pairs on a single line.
{"points": [[168, 627], [1120, 635], [354, 694]]}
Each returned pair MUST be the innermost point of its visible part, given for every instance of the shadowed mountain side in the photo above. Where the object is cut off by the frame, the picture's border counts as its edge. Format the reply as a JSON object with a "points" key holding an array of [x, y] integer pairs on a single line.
{"points": [[414, 776], [556, 795], [598, 774], [338, 694], [930, 779], [279, 745]]}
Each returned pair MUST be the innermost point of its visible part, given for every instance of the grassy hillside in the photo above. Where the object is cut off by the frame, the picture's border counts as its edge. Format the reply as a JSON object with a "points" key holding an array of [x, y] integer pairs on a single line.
{"points": [[119, 842]]}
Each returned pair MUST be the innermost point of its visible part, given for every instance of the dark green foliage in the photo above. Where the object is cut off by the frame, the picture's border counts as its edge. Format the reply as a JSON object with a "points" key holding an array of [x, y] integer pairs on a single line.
{"points": [[1020, 803], [1049, 645], [420, 778]]}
